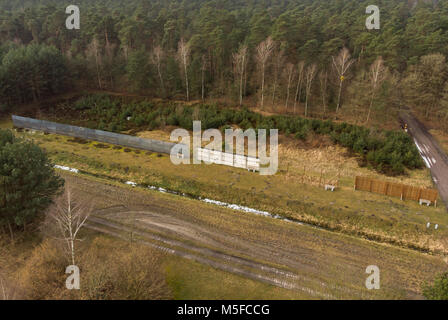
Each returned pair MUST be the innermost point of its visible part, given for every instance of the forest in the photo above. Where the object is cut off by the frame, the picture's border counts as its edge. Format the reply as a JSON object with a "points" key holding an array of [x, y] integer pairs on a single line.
{"points": [[311, 57], [309, 68]]}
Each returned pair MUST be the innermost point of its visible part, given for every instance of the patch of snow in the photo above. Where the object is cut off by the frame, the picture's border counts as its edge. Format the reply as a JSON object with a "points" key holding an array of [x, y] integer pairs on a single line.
{"points": [[428, 164], [130, 183], [215, 202], [246, 209], [66, 168]]}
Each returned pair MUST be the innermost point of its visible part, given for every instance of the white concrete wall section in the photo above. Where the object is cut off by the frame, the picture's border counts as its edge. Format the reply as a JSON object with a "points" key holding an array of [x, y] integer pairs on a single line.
{"points": [[240, 161], [216, 157], [253, 164], [228, 159]]}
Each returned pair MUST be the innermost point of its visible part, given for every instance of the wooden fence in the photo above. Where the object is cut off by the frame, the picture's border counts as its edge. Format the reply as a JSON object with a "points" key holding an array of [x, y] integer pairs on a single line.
{"points": [[402, 191]]}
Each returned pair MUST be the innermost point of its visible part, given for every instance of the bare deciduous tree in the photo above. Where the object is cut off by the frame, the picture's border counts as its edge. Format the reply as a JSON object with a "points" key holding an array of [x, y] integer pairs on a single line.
{"points": [[204, 65], [342, 64], [301, 67], [7, 291], [157, 56], [70, 215], [240, 62], [309, 76], [378, 73], [94, 50], [183, 55], [109, 50], [279, 61], [290, 76], [264, 51], [323, 79]]}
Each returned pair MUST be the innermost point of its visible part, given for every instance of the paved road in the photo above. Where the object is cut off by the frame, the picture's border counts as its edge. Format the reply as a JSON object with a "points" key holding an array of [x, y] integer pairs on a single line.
{"points": [[433, 156]]}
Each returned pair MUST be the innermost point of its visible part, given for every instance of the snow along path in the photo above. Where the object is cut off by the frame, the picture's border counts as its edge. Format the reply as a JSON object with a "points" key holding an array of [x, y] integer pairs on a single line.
{"points": [[211, 201]]}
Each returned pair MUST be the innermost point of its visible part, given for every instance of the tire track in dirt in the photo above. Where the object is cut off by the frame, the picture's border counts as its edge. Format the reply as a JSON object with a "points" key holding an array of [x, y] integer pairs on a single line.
{"points": [[337, 261], [186, 230], [281, 279]]}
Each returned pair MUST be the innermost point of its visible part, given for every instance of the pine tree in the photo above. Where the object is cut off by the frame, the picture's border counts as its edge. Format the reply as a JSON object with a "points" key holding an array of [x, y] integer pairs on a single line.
{"points": [[27, 181]]}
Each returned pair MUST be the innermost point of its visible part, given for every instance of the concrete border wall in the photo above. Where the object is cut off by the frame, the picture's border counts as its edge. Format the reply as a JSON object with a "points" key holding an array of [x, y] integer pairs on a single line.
{"points": [[228, 159], [91, 134]]}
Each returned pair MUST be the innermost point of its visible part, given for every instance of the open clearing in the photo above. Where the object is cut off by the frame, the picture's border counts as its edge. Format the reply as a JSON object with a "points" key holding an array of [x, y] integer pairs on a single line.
{"points": [[266, 253], [290, 193], [316, 263]]}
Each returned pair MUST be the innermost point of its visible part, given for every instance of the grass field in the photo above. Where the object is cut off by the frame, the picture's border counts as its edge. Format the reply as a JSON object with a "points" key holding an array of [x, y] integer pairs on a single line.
{"points": [[188, 280], [192, 281], [326, 261], [337, 260], [441, 137], [289, 193], [316, 255]]}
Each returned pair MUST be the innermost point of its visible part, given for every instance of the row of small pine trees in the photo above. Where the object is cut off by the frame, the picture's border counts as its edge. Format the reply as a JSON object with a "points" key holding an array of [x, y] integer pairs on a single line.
{"points": [[389, 152]]}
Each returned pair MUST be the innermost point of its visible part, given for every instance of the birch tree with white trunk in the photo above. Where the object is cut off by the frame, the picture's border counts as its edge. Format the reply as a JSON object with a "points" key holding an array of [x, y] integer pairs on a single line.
{"points": [[378, 73], [300, 69], [70, 214], [309, 77], [183, 55], [263, 53], [290, 75], [204, 64], [341, 65], [7, 290], [239, 64], [93, 50], [323, 79], [278, 63]]}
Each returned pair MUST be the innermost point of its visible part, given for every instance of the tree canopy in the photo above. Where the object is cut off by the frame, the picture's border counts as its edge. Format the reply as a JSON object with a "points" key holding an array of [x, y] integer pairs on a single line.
{"points": [[27, 181], [114, 50]]}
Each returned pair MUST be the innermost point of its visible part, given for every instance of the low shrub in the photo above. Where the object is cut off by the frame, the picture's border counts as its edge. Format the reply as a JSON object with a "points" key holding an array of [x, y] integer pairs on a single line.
{"points": [[386, 151]]}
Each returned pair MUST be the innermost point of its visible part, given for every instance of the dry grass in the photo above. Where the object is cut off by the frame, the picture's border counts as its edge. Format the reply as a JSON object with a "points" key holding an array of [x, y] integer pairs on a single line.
{"points": [[441, 137], [308, 161], [363, 213], [335, 259], [110, 269]]}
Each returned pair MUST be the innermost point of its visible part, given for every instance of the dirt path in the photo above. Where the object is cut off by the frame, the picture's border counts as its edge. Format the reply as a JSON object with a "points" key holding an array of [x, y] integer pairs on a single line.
{"points": [[433, 156], [213, 258], [319, 263]]}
